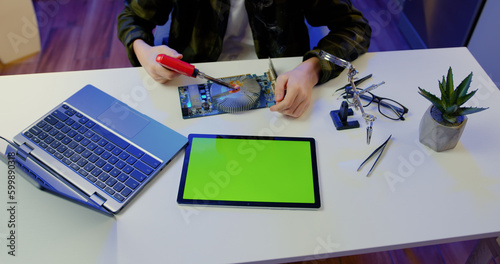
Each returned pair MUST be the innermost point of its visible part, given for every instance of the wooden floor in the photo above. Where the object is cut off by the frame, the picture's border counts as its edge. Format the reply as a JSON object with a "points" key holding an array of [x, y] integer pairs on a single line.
{"points": [[81, 35], [75, 35]]}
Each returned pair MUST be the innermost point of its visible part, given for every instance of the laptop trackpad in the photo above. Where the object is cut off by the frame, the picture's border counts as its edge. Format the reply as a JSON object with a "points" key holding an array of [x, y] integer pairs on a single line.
{"points": [[122, 119]]}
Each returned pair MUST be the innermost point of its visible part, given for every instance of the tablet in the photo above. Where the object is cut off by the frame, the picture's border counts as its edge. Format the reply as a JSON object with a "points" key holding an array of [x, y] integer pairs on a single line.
{"points": [[235, 170]]}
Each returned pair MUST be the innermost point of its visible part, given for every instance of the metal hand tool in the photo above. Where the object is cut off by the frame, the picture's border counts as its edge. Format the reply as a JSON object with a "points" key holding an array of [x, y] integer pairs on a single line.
{"points": [[350, 77], [381, 149], [188, 70]]}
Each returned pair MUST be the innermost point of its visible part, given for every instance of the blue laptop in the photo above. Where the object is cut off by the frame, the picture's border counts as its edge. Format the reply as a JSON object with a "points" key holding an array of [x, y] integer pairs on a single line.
{"points": [[94, 149]]}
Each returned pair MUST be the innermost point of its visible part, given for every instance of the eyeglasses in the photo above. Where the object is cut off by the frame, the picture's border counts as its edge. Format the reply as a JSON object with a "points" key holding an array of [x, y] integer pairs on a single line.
{"points": [[387, 107]]}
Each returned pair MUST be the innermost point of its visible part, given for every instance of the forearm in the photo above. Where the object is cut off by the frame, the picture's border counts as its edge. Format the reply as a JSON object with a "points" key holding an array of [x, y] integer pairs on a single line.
{"points": [[140, 47], [313, 67]]}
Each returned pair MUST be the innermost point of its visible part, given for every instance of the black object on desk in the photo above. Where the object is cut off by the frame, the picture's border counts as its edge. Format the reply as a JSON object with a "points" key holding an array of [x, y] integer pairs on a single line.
{"points": [[225, 170], [380, 149], [339, 117]]}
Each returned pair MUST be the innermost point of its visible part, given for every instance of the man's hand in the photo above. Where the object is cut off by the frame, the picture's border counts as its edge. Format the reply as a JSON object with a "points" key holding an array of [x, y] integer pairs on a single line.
{"points": [[147, 57], [298, 84]]}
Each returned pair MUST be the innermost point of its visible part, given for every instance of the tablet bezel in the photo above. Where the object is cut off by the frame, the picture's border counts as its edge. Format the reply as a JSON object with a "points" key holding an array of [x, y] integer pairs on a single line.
{"points": [[312, 143]]}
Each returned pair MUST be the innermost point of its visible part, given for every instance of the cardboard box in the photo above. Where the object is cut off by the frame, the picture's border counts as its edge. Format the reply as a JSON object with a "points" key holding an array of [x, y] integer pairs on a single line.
{"points": [[19, 34]]}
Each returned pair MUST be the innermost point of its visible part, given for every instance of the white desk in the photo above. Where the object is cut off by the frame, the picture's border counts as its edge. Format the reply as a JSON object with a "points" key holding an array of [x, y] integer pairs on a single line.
{"points": [[414, 197]]}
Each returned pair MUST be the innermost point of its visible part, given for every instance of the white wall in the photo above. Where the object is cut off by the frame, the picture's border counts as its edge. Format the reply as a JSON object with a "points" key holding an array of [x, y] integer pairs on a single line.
{"points": [[485, 41]]}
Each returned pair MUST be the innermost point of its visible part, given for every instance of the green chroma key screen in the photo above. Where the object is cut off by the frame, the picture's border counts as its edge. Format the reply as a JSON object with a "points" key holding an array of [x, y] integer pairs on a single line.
{"points": [[250, 171]]}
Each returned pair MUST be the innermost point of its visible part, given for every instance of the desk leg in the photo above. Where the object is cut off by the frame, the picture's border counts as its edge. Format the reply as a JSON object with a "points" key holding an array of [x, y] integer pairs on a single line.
{"points": [[485, 250]]}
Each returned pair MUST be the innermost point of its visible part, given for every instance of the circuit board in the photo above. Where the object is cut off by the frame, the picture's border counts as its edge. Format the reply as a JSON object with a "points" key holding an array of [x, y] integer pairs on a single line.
{"points": [[198, 100]]}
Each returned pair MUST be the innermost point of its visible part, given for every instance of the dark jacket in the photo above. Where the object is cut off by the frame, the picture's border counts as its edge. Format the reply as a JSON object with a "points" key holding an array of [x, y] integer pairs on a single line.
{"points": [[278, 27]]}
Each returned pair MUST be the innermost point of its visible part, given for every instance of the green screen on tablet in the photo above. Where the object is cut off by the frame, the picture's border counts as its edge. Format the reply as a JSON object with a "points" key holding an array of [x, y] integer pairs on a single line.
{"points": [[250, 171]]}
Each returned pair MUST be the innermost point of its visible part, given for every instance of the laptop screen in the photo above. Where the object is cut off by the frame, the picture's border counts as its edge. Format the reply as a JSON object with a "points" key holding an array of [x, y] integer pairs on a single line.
{"points": [[250, 171]]}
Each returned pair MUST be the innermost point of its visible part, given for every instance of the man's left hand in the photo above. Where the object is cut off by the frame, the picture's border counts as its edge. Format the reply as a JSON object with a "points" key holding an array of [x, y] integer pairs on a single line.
{"points": [[297, 84]]}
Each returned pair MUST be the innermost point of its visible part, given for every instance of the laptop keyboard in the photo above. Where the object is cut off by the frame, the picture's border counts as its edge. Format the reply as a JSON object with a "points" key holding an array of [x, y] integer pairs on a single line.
{"points": [[97, 154]]}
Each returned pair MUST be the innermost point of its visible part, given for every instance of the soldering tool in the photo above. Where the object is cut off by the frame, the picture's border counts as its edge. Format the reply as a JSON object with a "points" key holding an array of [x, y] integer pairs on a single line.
{"points": [[189, 70]]}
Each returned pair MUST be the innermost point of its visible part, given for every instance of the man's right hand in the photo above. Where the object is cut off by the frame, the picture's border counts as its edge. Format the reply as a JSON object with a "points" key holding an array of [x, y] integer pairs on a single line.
{"points": [[147, 57]]}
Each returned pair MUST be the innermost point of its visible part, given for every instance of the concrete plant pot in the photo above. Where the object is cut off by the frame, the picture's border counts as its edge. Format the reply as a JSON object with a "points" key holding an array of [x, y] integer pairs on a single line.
{"points": [[437, 136]]}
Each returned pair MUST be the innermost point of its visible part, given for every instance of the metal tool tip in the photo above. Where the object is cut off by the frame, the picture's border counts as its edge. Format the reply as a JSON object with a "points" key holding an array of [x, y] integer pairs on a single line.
{"points": [[235, 89]]}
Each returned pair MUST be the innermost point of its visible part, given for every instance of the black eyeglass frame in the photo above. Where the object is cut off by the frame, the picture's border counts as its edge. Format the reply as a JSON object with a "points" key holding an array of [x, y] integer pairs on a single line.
{"points": [[400, 109]]}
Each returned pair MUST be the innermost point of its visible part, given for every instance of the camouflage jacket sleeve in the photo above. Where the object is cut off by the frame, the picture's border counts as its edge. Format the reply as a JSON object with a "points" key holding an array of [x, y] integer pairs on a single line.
{"points": [[137, 21], [349, 35], [278, 28]]}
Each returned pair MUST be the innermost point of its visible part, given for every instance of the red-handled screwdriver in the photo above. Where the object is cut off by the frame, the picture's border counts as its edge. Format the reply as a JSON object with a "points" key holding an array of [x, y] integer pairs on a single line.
{"points": [[188, 70]]}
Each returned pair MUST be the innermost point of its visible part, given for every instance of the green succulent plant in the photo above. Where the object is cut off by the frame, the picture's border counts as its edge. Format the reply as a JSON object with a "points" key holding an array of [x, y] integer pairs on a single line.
{"points": [[452, 99]]}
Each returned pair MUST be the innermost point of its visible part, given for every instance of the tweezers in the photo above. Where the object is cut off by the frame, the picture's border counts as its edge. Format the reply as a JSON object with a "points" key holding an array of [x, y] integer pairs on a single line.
{"points": [[357, 82], [381, 149]]}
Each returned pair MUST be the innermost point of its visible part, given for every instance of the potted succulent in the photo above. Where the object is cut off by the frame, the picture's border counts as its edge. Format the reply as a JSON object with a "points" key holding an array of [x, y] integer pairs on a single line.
{"points": [[444, 121]]}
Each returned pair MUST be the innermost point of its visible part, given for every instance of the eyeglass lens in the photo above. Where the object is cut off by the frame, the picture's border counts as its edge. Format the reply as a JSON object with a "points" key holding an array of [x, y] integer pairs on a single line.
{"points": [[387, 107]]}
